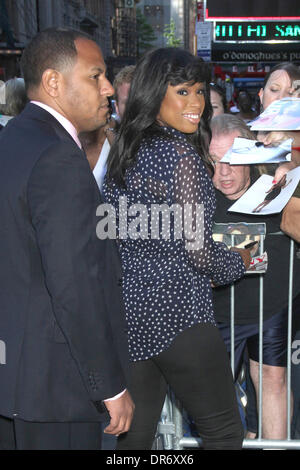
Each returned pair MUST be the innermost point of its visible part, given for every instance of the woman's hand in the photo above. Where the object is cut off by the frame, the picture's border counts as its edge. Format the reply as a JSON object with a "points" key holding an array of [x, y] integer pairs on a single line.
{"points": [[272, 139], [275, 138], [282, 170], [245, 254], [109, 131]]}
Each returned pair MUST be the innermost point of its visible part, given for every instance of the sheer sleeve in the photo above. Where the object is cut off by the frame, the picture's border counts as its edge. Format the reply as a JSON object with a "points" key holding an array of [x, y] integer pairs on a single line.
{"points": [[193, 192]]}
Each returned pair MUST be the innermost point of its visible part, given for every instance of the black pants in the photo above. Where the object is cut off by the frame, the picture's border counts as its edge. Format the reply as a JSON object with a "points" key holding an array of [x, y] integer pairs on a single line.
{"points": [[196, 366], [25, 435]]}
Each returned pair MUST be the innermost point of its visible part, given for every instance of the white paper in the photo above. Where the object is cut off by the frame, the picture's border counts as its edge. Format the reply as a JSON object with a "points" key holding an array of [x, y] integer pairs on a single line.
{"points": [[204, 35], [259, 264], [281, 115], [254, 200], [247, 152]]}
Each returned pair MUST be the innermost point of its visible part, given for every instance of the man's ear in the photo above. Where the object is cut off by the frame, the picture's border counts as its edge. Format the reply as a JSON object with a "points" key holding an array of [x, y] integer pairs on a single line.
{"points": [[50, 82], [260, 94]]}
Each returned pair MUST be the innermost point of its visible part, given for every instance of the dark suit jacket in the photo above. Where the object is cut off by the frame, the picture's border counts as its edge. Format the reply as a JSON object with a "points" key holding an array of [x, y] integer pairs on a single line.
{"points": [[61, 317]]}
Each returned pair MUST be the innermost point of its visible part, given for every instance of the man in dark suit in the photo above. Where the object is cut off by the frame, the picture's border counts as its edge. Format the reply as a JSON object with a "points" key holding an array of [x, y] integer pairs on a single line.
{"points": [[61, 317]]}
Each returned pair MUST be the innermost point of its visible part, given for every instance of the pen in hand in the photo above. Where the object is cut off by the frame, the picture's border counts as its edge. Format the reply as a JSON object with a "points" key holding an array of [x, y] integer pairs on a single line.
{"points": [[250, 245]]}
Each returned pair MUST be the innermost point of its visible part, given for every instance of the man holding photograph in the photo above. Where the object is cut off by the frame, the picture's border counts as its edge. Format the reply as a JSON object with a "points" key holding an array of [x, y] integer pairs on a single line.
{"points": [[231, 183]]}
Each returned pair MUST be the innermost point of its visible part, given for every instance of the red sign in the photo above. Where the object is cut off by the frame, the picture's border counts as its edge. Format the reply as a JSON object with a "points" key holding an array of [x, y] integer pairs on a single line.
{"points": [[200, 11]]}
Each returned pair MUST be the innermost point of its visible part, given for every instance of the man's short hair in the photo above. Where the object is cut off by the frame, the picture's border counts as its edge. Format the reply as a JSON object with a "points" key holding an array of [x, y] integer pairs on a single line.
{"points": [[125, 75], [53, 48], [225, 123]]}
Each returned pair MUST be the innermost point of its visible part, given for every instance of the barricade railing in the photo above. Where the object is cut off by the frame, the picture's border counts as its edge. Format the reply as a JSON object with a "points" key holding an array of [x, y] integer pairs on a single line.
{"points": [[170, 433]]}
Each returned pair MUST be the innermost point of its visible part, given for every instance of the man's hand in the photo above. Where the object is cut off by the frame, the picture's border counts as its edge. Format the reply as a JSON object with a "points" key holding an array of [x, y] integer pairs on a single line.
{"points": [[121, 413]]}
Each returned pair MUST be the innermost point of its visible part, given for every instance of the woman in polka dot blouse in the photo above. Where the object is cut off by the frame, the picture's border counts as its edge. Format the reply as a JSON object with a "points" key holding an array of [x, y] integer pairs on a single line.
{"points": [[159, 184]]}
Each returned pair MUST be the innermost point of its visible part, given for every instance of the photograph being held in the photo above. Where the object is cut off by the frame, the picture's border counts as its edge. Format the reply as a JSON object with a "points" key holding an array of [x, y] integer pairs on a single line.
{"points": [[272, 193], [160, 156], [282, 81]]}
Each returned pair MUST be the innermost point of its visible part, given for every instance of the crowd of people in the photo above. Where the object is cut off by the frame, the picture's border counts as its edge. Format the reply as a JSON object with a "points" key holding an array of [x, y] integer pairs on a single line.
{"points": [[96, 328]]}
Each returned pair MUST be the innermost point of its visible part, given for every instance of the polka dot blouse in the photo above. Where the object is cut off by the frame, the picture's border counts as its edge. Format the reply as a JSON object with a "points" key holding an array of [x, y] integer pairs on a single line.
{"points": [[168, 258]]}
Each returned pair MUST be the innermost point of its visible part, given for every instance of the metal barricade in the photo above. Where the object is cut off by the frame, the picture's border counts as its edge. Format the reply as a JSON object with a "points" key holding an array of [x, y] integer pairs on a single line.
{"points": [[170, 428]]}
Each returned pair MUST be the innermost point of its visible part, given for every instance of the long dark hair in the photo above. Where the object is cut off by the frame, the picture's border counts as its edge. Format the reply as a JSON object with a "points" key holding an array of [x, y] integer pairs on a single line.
{"points": [[154, 72], [221, 92]]}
